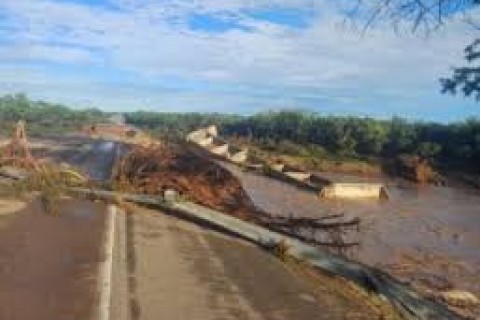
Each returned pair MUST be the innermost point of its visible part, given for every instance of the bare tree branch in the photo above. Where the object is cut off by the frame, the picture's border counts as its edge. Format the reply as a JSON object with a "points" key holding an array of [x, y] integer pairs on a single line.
{"points": [[428, 16], [421, 15]]}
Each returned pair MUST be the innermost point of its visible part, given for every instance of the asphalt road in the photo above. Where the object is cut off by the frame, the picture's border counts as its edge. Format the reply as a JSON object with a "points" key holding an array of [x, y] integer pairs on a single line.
{"points": [[48, 264], [180, 271]]}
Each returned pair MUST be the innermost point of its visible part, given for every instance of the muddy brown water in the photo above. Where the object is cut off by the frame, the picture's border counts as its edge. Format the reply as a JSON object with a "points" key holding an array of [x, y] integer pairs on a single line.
{"points": [[93, 157], [428, 236], [48, 264]]}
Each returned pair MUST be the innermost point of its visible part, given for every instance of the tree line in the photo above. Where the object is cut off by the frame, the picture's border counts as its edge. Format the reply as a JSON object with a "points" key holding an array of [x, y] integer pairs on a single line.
{"points": [[287, 131], [310, 133], [43, 117]]}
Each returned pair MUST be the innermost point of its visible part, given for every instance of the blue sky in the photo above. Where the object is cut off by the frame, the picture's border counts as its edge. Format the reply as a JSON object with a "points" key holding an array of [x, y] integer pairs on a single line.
{"points": [[235, 56]]}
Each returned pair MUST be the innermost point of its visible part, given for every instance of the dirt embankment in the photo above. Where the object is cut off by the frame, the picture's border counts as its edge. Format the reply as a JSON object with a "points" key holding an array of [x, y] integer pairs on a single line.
{"points": [[154, 169]]}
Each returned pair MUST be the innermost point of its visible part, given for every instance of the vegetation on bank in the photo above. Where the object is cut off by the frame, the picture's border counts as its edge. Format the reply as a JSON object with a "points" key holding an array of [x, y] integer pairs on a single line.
{"points": [[165, 124], [312, 135], [288, 132], [43, 118]]}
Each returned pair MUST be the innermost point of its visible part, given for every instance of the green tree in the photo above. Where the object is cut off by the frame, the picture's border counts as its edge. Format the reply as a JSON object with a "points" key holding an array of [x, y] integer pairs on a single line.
{"points": [[402, 137], [467, 78], [428, 150]]}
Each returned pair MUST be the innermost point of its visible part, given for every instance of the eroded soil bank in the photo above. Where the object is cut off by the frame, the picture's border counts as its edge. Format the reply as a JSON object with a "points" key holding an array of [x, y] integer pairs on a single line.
{"points": [[49, 264]]}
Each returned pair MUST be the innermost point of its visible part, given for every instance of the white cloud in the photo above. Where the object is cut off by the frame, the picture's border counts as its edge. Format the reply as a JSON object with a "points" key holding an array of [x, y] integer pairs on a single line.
{"points": [[51, 53], [322, 60]]}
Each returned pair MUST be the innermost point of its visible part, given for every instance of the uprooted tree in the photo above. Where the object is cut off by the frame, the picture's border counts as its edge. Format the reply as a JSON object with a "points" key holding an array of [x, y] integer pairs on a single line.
{"points": [[154, 169], [17, 151]]}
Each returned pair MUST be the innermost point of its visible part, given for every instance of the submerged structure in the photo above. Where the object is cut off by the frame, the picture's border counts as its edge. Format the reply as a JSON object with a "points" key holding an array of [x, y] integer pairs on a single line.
{"points": [[354, 190], [208, 140]]}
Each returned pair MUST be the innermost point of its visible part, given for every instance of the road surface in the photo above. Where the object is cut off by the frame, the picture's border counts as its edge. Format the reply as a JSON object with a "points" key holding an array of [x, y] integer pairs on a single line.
{"points": [[48, 264], [180, 271]]}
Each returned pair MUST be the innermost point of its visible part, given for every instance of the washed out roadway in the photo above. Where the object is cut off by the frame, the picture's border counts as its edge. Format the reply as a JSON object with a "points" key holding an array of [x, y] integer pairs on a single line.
{"points": [[180, 271], [164, 268]]}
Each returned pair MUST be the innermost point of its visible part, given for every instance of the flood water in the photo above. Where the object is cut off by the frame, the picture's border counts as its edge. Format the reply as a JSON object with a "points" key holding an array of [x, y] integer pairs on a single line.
{"points": [[97, 160], [429, 236], [48, 264], [93, 157]]}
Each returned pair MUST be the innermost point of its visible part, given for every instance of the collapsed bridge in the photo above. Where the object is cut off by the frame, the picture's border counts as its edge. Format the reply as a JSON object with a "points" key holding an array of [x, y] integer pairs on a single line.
{"points": [[207, 141]]}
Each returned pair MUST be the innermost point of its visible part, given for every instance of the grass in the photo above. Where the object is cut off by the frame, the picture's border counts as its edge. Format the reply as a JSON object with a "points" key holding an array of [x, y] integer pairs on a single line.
{"points": [[312, 158]]}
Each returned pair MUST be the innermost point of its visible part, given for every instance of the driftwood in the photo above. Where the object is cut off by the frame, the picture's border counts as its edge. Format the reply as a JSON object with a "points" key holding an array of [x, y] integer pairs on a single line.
{"points": [[328, 231], [314, 223]]}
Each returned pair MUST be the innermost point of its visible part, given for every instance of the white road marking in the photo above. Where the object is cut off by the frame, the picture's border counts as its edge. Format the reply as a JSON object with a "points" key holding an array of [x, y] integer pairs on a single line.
{"points": [[106, 266]]}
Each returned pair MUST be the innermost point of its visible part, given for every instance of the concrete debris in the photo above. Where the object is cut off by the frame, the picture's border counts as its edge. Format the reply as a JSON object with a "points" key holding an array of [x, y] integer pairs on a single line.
{"points": [[207, 140], [277, 166], [220, 150], [355, 190], [459, 298], [239, 157], [300, 176]]}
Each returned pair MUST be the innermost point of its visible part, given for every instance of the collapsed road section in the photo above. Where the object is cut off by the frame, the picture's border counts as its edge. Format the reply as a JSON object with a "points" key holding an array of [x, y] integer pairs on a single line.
{"points": [[208, 141], [179, 270], [408, 302]]}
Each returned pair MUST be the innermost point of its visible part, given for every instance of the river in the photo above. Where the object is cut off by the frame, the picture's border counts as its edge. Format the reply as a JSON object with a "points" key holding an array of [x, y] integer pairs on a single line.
{"points": [[428, 236]]}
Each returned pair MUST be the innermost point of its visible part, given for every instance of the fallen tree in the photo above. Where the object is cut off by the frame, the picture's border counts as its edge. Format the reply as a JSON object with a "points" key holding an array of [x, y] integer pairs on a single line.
{"points": [[327, 231], [154, 169]]}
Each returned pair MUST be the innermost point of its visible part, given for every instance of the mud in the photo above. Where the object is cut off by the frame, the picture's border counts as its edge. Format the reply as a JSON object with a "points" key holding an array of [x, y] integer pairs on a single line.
{"points": [[427, 236], [48, 264]]}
